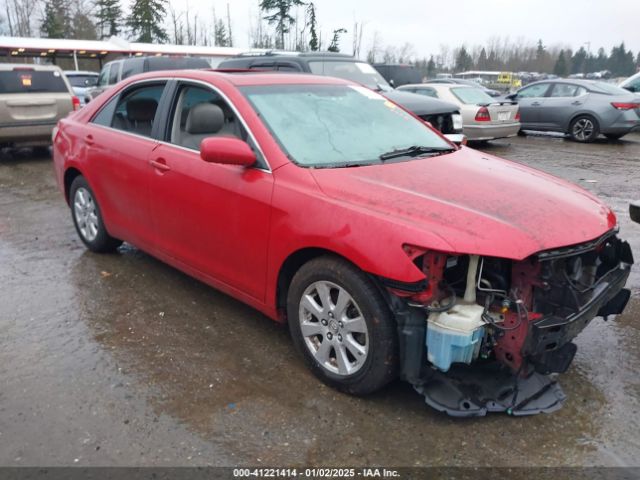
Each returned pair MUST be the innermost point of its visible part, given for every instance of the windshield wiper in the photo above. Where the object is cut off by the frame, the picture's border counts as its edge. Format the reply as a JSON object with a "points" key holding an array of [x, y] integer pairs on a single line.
{"points": [[414, 151]]}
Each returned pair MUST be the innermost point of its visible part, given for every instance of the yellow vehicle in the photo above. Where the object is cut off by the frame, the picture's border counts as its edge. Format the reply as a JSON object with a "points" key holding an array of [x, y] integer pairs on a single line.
{"points": [[509, 79], [505, 78]]}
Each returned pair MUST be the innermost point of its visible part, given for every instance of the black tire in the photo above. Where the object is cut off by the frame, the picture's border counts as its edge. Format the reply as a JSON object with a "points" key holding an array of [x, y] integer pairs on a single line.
{"points": [[614, 136], [522, 133], [381, 361], [584, 129], [99, 241]]}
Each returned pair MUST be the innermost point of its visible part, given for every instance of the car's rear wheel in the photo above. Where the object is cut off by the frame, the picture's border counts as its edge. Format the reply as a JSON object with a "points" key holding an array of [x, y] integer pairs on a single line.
{"points": [[584, 129], [342, 326], [614, 136], [87, 218]]}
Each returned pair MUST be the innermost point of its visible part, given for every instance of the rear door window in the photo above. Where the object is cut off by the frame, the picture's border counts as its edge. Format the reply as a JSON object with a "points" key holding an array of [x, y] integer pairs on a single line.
{"points": [[564, 90], [136, 109], [31, 81]]}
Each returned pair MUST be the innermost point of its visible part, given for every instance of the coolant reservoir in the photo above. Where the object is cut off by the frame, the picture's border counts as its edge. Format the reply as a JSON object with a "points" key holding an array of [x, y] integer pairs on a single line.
{"points": [[455, 335]]}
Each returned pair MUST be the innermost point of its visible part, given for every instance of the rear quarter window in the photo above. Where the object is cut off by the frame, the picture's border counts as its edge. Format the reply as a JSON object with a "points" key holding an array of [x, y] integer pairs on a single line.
{"points": [[32, 81]]}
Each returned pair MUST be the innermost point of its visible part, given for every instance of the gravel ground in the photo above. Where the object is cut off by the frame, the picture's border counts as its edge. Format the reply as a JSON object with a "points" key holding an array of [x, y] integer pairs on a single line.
{"points": [[121, 360]]}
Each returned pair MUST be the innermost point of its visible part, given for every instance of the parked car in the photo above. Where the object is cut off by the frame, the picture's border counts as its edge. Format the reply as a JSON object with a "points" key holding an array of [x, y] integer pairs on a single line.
{"points": [[32, 100], [632, 83], [81, 82], [483, 118], [117, 70], [634, 211], [388, 250], [461, 81], [397, 74], [583, 109], [444, 116]]}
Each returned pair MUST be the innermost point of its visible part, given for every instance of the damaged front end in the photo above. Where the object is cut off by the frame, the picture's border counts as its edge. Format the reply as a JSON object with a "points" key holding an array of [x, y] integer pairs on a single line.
{"points": [[483, 334]]}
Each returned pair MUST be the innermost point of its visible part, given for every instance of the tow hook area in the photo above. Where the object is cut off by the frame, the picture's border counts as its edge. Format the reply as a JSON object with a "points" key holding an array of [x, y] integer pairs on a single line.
{"points": [[474, 391]]}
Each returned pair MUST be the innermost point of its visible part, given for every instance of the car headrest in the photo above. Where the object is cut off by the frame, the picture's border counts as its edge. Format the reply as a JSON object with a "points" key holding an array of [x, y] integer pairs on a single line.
{"points": [[205, 118], [141, 109]]}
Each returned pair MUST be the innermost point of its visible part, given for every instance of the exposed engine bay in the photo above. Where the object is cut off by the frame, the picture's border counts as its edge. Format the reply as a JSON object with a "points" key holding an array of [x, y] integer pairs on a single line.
{"points": [[485, 334]]}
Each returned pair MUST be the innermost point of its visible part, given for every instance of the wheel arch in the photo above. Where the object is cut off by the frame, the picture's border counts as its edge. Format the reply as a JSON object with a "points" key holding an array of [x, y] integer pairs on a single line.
{"points": [[70, 175], [587, 113], [292, 264]]}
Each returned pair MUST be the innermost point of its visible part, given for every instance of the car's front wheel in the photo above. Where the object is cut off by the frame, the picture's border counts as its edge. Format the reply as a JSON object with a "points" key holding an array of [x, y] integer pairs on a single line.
{"points": [[584, 129], [88, 219], [342, 325]]}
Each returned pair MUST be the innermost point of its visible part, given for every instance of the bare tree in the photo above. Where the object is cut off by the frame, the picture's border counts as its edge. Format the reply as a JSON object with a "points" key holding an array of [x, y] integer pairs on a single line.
{"points": [[178, 27], [20, 15]]}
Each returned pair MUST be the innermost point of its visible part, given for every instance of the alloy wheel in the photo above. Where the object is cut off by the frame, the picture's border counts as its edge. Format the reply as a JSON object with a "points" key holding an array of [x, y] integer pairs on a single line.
{"points": [[86, 214], [333, 328], [583, 129]]}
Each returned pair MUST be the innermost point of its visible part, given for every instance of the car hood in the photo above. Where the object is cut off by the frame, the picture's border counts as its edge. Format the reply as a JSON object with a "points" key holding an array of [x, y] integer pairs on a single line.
{"points": [[420, 104], [477, 203]]}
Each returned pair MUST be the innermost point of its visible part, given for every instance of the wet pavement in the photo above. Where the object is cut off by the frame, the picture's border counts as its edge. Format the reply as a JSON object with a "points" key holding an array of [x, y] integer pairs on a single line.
{"points": [[121, 360]]}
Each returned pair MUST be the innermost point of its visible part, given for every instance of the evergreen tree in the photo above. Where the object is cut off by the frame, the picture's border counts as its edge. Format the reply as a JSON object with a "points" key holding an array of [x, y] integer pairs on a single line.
{"points": [[578, 61], [279, 12], [482, 60], [146, 19], [334, 46], [83, 27], [56, 22], [221, 39], [431, 68], [601, 60], [464, 61], [621, 62], [314, 46], [109, 17], [561, 68]]}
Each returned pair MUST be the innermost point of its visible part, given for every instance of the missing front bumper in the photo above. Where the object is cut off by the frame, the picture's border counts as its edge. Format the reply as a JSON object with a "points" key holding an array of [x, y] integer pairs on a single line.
{"points": [[474, 391]]}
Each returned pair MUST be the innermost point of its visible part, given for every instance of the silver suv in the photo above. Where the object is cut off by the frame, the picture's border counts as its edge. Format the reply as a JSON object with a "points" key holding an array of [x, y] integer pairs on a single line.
{"points": [[32, 100]]}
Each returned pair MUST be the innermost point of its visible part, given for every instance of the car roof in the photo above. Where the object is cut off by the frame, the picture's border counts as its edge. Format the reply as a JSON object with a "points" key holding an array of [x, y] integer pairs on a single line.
{"points": [[245, 78], [13, 66], [285, 54], [572, 81], [79, 72], [440, 85]]}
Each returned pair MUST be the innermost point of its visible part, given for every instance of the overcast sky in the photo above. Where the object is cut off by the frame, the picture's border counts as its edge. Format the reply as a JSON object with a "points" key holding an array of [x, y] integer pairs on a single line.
{"points": [[427, 24]]}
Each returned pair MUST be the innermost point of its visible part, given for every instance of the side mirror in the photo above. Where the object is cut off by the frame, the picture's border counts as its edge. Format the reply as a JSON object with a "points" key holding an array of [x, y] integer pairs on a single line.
{"points": [[227, 151], [457, 138], [634, 211], [511, 96], [392, 83]]}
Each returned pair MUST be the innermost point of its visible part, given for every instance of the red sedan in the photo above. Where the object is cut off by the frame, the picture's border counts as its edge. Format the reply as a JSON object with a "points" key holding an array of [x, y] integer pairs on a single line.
{"points": [[388, 250]]}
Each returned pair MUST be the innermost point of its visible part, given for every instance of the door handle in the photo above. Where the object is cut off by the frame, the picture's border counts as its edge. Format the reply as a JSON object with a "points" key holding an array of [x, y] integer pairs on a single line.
{"points": [[89, 140], [535, 104], [160, 165]]}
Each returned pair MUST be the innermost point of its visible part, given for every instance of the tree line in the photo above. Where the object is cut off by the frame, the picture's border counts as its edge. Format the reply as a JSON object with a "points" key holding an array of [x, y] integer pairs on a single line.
{"points": [[282, 24], [293, 25]]}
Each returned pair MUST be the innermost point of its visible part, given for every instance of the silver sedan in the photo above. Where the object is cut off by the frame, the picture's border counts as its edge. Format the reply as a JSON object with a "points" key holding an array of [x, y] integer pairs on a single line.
{"points": [[583, 109]]}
